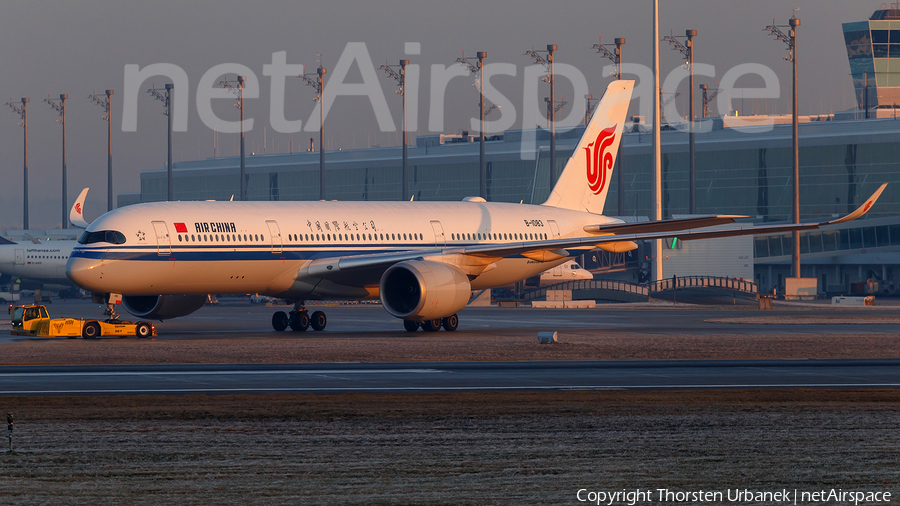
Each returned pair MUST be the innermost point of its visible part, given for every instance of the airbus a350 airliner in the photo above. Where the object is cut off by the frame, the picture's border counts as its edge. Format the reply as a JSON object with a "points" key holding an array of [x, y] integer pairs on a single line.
{"points": [[422, 259]]}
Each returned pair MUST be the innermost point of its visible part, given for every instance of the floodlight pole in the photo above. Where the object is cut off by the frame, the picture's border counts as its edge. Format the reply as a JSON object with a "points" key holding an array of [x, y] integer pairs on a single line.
{"points": [[795, 261], [239, 93], [405, 172], [478, 71], [319, 85], [616, 58], [61, 108], [791, 40], [167, 100], [241, 80], [687, 50], [692, 176], [25, 128], [401, 83], [170, 90], [482, 179], [65, 186], [657, 265], [23, 114], [549, 78], [109, 177], [550, 49], [321, 72]]}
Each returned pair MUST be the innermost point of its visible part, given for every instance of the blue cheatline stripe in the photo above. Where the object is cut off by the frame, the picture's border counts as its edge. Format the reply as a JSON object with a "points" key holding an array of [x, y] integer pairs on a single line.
{"points": [[236, 252]]}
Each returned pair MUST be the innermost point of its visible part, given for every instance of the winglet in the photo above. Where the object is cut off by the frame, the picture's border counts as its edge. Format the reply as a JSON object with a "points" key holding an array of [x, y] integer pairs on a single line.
{"points": [[863, 209], [76, 214]]}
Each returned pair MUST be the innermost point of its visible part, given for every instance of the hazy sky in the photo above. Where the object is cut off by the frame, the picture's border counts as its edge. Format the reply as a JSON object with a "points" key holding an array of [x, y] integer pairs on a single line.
{"points": [[81, 47]]}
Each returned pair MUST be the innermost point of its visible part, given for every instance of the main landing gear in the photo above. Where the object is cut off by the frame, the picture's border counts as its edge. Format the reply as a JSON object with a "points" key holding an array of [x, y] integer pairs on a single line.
{"points": [[449, 323], [299, 319]]}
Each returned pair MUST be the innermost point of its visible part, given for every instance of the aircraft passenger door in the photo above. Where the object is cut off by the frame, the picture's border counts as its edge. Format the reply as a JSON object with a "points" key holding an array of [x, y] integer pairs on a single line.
{"points": [[20, 257], [163, 242], [274, 235], [554, 229], [439, 238]]}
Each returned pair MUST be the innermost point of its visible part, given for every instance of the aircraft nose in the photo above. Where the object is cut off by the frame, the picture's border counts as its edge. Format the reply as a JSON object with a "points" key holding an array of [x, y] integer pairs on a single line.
{"points": [[85, 272]]}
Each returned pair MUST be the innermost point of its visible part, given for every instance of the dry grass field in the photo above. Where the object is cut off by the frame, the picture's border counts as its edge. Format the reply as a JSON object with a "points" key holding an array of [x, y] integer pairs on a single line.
{"points": [[521, 448]]}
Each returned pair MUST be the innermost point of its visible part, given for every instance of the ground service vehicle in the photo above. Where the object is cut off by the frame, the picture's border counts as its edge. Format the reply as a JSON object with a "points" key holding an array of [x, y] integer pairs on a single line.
{"points": [[35, 321]]}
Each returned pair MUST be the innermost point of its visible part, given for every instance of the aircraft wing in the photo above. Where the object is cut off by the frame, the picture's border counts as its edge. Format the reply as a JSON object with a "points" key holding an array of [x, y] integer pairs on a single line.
{"points": [[361, 270], [661, 226]]}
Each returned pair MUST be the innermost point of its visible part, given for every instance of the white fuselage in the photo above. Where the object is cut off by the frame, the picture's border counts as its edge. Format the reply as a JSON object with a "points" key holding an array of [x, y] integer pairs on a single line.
{"points": [[45, 262], [569, 271], [267, 247]]}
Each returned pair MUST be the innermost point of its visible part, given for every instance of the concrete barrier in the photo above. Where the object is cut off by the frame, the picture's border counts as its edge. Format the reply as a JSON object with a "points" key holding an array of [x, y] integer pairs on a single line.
{"points": [[853, 301]]}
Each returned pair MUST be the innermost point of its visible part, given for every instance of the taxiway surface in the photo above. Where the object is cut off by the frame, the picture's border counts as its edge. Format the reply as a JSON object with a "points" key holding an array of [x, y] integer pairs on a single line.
{"points": [[446, 377]]}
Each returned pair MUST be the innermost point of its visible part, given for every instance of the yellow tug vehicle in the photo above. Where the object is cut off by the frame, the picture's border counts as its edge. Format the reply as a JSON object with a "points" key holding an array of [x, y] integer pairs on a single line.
{"points": [[34, 321]]}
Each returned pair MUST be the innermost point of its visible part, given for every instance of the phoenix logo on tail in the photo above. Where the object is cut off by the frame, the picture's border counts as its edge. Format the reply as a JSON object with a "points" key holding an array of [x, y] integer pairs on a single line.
{"points": [[599, 159]]}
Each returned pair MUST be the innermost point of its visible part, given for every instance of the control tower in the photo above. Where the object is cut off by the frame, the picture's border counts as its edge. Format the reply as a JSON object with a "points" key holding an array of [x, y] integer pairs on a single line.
{"points": [[873, 48]]}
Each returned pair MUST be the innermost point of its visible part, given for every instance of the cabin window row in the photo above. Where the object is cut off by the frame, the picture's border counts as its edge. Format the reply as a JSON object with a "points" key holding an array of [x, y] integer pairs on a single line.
{"points": [[300, 237], [496, 236]]}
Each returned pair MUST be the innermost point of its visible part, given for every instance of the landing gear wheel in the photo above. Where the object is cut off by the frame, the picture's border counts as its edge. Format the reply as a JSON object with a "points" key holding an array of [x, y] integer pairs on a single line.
{"points": [[143, 330], [410, 325], [450, 323], [279, 321], [299, 321], [90, 330], [318, 320], [432, 325]]}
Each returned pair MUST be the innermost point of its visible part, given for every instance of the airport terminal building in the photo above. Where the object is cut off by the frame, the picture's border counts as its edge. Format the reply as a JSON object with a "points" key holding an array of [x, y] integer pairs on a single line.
{"points": [[739, 170]]}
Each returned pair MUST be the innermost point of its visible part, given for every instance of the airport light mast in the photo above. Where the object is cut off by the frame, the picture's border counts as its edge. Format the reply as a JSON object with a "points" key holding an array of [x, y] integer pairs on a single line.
{"points": [[559, 105], [107, 117], [707, 97], [60, 106], [401, 90], [239, 93], [687, 49], [657, 264], [477, 69], [551, 79], [23, 122], [616, 58], [590, 103], [319, 85], [791, 40], [166, 98]]}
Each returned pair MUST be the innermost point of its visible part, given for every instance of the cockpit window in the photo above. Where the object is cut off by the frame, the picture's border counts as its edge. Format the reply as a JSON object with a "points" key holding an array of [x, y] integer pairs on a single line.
{"points": [[110, 236]]}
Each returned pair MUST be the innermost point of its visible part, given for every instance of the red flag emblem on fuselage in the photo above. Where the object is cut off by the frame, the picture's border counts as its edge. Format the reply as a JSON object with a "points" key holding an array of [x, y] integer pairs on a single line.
{"points": [[180, 228], [77, 208], [600, 159]]}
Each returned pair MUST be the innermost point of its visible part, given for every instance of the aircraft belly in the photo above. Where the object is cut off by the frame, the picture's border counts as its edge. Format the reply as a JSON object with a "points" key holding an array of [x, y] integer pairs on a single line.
{"points": [[201, 277], [510, 270]]}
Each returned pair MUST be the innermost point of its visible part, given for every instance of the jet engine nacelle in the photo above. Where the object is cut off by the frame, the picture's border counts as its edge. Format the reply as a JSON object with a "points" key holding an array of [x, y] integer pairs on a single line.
{"points": [[162, 307], [421, 290]]}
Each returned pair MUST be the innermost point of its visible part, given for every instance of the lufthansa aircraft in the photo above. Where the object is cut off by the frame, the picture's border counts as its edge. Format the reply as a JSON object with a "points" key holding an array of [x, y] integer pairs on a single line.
{"points": [[43, 261], [422, 259]]}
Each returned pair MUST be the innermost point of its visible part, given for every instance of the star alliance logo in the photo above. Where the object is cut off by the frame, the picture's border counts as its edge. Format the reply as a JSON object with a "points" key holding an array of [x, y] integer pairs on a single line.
{"points": [[141, 236]]}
